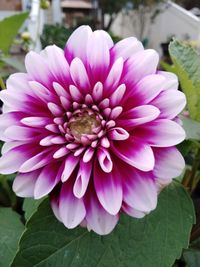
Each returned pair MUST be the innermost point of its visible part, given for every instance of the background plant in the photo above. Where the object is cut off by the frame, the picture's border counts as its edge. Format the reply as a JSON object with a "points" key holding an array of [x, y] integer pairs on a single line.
{"points": [[32, 236]]}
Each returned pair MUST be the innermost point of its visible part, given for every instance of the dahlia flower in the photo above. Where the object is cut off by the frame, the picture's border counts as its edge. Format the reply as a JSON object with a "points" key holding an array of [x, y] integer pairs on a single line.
{"points": [[95, 127]]}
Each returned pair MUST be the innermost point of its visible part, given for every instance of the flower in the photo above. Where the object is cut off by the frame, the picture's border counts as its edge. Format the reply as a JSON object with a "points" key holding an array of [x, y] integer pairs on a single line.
{"points": [[95, 127]]}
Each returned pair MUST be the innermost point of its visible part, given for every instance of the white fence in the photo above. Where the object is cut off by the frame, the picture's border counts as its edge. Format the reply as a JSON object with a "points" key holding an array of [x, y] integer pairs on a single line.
{"points": [[173, 20]]}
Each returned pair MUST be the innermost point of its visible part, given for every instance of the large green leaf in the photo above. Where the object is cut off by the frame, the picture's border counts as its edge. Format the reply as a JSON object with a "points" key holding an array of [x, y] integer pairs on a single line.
{"points": [[155, 241], [30, 205], [187, 64], [11, 229], [9, 28]]}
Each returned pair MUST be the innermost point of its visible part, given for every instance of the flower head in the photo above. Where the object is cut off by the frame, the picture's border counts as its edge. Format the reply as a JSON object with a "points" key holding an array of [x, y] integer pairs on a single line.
{"points": [[95, 127]]}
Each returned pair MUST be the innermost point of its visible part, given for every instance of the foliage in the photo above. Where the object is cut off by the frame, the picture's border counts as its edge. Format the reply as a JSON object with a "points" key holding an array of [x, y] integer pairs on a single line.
{"points": [[32, 236], [54, 34], [11, 229], [12, 25], [187, 63], [128, 244]]}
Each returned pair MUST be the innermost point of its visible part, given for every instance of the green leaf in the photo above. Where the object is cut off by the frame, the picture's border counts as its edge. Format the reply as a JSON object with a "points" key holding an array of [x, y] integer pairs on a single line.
{"points": [[11, 229], [155, 241], [192, 128], [192, 255], [9, 28], [30, 206], [187, 64]]}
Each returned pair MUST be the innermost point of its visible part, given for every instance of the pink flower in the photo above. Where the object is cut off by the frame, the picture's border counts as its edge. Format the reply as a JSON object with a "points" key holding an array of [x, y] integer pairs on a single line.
{"points": [[94, 127]]}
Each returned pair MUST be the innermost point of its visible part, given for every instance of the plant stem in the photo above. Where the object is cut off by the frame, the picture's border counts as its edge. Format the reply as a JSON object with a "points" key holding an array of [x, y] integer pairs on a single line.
{"points": [[2, 84], [194, 170]]}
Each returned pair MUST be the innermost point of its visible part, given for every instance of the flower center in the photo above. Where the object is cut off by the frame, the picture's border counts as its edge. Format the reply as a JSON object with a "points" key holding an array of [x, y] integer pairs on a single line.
{"points": [[83, 124]]}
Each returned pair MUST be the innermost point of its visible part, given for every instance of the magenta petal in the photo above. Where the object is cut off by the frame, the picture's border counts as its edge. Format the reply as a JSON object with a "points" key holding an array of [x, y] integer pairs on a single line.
{"points": [[37, 161], [46, 181], [169, 163], [143, 63], [21, 133], [126, 48], [70, 165], [6, 120], [114, 75], [82, 179], [24, 183], [12, 160], [58, 65], [105, 160], [133, 212], [98, 219], [71, 209], [135, 153], [170, 103], [108, 187], [146, 90], [138, 115], [98, 55], [41, 74], [171, 82], [76, 45], [161, 133], [140, 191], [79, 74], [55, 207]]}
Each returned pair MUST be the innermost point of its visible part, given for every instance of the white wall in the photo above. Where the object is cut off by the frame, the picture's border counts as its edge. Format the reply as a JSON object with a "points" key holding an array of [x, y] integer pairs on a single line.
{"points": [[173, 20]]}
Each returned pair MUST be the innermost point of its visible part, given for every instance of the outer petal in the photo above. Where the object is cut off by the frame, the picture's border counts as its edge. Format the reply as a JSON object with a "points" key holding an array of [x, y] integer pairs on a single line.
{"points": [[138, 115], [141, 64], [140, 191], [169, 163], [133, 212], [41, 74], [37, 161], [126, 48], [57, 63], [7, 119], [108, 187], [98, 56], [71, 209], [170, 103], [161, 133], [136, 154], [171, 80], [12, 160], [47, 180], [76, 45], [145, 91], [98, 219], [24, 183]]}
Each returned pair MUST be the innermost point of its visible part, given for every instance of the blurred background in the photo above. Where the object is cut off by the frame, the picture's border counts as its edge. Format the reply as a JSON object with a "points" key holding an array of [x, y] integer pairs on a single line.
{"points": [[154, 22]]}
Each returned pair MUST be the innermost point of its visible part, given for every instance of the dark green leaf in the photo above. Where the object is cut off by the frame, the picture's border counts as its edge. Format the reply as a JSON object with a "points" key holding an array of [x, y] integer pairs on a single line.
{"points": [[187, 63], [9, 28], [11, 229], [30, 206], [192, 255], [155, 241]]}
